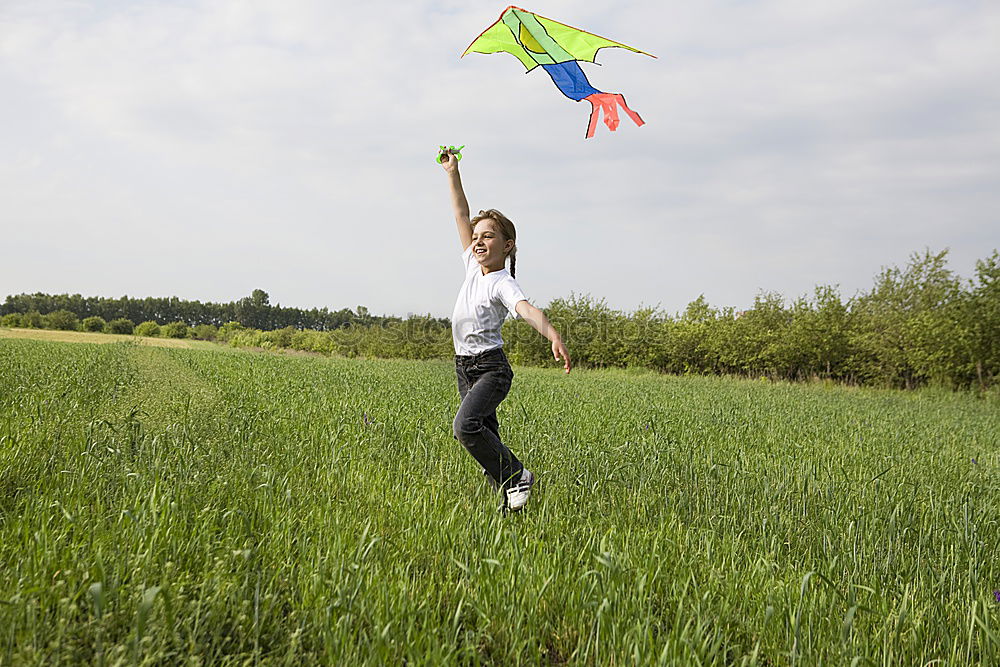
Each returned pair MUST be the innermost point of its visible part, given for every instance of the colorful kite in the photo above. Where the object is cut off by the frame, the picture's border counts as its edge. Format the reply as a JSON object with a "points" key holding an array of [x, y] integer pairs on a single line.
{"points": [[536, 40]]}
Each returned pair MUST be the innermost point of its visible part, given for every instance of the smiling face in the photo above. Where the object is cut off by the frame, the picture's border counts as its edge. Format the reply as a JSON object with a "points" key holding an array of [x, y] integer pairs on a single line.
{"points": [[489, 246]]}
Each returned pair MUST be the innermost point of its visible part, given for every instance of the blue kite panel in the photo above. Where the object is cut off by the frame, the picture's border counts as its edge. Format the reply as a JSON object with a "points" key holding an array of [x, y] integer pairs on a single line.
{"points": [[571, 80]]}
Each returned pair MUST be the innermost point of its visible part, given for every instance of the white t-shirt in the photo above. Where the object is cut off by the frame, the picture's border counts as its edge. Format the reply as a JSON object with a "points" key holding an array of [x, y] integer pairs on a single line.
{"points": [[482, 304]]}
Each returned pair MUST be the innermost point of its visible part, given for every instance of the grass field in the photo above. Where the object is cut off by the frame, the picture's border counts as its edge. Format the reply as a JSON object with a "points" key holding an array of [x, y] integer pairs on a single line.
{"points": [[215, 506]]}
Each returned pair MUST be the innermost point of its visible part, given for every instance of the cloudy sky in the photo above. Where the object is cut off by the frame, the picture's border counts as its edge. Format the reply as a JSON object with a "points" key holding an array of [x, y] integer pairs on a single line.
{"points": [[207, 148]]}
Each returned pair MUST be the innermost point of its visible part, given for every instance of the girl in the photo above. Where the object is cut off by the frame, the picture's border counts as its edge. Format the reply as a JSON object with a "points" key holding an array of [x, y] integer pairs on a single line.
{"points": [[488, 294]]}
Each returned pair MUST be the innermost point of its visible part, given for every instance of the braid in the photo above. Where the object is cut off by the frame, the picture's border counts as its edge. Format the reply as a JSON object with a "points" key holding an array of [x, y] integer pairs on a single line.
{"points": [[513, 261]]}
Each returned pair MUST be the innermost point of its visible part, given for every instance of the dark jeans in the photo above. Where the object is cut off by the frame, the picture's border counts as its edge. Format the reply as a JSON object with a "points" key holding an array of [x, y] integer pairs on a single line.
{"points": [[483, 381]]}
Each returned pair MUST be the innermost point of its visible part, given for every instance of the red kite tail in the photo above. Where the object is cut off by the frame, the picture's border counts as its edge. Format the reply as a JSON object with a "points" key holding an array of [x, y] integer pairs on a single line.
{"points": [[609, 103]]}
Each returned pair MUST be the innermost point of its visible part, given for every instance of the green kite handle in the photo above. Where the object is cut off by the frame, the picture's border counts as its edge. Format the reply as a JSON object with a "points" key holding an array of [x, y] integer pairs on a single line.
{"points": [[443, 150]]}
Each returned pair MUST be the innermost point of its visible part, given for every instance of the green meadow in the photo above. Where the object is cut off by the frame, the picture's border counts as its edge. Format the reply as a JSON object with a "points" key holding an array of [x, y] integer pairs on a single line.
{"points": [[221, 506]]}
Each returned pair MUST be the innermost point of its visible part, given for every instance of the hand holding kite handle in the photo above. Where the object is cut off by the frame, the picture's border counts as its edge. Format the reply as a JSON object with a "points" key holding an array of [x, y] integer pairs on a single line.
{"points": [[444, 151]]}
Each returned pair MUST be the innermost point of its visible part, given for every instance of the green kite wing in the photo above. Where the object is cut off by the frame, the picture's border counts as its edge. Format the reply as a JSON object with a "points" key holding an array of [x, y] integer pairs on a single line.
{"points": [[536, 40]]}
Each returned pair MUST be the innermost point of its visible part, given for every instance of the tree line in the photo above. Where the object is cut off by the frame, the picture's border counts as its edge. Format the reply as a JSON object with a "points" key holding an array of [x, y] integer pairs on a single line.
{"points": [[253, 311], [918, 324]]}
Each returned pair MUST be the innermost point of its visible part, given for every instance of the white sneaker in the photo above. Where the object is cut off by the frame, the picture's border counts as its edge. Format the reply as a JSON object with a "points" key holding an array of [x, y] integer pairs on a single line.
{"points": [[517, 495]]}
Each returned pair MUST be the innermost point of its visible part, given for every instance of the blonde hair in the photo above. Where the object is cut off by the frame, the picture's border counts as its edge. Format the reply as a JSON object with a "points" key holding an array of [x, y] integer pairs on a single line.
{"points": [[506, 229]]}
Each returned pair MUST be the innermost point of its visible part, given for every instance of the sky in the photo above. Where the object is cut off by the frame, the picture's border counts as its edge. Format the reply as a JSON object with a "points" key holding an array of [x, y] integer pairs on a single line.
{"points": [[204, 149]]}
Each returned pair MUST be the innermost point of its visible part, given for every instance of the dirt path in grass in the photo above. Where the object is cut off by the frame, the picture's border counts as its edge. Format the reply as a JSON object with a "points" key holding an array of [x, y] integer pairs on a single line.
{"points": [[88, 337], [167, 391]]}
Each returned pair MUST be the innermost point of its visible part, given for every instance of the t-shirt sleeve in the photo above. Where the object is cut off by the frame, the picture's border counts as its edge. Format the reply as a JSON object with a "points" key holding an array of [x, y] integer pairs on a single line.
{"points": [[467, 260], [509, 292]]}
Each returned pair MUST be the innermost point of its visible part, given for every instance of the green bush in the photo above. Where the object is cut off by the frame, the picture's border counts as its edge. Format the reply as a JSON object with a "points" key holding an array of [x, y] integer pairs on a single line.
{"points": [[176, 330], [981, 312], [122, 325], [281, 337], [93, 323], [313, 341], [63, 320], [245, 337], [33, 319], [12, 320], [148, 328], [205, 331], [228, 330]]}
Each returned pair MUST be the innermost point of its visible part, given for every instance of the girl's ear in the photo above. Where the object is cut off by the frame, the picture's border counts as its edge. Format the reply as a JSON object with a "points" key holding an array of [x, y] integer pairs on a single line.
{"points": [[508, 246]]}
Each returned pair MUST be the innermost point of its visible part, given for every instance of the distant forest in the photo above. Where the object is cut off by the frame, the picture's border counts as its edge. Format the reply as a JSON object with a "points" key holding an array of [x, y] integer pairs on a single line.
{"points": [[254, 311], [917, 325]]}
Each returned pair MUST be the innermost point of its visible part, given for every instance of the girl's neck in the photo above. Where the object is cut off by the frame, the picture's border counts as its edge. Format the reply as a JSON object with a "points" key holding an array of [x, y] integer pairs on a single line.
{"points": [[492, 269]]}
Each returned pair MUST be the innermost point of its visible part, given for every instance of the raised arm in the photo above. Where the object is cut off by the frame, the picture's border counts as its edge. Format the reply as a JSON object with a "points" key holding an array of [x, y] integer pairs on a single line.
{"points": [[459, 204], [541, 324]]}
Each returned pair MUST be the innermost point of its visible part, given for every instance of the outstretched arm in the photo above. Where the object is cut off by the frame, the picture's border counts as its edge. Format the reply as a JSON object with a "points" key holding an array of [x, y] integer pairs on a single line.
{"points": [[541, 324], [459, 204]]}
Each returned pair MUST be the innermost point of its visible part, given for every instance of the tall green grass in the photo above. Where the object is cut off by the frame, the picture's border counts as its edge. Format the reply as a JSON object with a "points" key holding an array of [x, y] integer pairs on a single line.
{"points": [[224, 507]]}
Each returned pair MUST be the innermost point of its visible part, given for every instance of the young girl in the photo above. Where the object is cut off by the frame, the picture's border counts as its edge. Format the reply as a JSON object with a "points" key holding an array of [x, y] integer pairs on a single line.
{"points": [[488, 294]]}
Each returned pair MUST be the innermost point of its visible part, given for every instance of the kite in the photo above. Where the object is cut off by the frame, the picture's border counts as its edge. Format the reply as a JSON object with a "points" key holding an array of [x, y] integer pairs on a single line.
{"points": [[558, 48]]}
